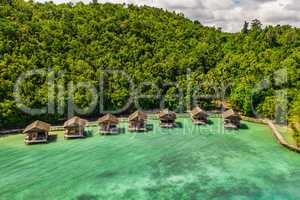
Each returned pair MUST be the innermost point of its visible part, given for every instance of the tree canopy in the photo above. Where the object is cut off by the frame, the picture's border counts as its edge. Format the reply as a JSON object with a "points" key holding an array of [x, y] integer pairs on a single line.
{"points": [[150, 45]]}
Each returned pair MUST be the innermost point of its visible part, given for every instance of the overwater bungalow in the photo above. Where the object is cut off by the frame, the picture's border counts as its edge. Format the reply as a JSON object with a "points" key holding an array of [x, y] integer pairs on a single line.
{"points": [[108, 124], [167, 118], [199, 116], [37, 132], [74, 128], [231, 119], [137, 121]]}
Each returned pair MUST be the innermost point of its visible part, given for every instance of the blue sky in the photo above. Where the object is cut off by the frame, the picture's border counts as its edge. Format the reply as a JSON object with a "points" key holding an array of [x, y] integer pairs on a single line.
{"points": [[228, 14]]}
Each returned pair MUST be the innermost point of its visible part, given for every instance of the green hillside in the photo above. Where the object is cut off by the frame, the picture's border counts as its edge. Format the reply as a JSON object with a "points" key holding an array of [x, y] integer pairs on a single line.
{"points": [[150, 45]]}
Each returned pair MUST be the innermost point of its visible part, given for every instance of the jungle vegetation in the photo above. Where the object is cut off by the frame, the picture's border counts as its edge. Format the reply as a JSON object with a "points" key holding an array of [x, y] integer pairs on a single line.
{"points": [[151, 45]]}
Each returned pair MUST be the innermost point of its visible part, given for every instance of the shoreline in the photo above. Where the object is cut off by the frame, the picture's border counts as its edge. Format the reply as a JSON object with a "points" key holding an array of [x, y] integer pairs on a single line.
{"points": [[153, 116], [276, 134]]}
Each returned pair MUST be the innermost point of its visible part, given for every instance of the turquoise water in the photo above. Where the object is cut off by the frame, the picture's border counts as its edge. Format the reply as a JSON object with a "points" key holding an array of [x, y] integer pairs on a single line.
{"points": [[184, 163]]}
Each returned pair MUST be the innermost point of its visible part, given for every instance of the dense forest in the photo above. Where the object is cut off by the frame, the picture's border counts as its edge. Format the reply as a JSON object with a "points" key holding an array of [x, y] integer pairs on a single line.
{"points": [[150, 45]]}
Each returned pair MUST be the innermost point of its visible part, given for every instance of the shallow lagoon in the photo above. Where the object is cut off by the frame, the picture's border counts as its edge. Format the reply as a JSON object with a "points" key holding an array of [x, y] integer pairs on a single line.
{"points": [[183, 163]]}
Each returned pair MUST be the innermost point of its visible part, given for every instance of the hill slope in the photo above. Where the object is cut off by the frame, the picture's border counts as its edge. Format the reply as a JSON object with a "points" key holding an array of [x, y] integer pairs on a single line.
{"points": [[150, 45]]}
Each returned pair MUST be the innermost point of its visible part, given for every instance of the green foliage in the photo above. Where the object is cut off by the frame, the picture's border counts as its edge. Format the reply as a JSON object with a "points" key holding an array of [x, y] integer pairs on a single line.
{"points": [[245, 27], [295, 117], [256, 25], [295, 109], [149, 44]]}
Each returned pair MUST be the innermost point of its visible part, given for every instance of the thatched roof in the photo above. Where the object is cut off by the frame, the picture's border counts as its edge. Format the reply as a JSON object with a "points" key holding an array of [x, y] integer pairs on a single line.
{"points": [[108, 118], [37, 126], [138, 115], [222, 103], [198, 111], [167, 114], [75, 121], [231, 114]]}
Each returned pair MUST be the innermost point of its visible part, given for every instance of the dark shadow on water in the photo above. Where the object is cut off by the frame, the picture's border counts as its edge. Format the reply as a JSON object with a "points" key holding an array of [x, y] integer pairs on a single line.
{"points": [[244, 126], [52, 138], [210, 122], [88, 133], [87, 197], [122, 131], [178, 125], [107, 174], [149, 127]]}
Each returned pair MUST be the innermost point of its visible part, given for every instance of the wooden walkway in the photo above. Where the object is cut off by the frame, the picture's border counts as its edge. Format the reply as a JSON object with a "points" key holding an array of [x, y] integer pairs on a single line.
{"points": [[6, 132], [280, 139]]}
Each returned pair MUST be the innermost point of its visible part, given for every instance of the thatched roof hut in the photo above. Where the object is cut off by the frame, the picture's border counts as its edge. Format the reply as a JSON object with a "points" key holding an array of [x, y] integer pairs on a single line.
{"points": [[108, 124], [197, 112], [167, 114], [108, 118], [137, 121], [199, 116], [231, 119], [75, 122], [37, 126], [231, 114], [167, 118], [137, 115], [37, 132], [222, 104], [74, 127]]}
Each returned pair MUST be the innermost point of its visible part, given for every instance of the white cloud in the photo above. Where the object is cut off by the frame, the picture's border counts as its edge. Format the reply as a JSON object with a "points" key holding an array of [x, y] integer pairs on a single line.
{"points": [[228, 14]]}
